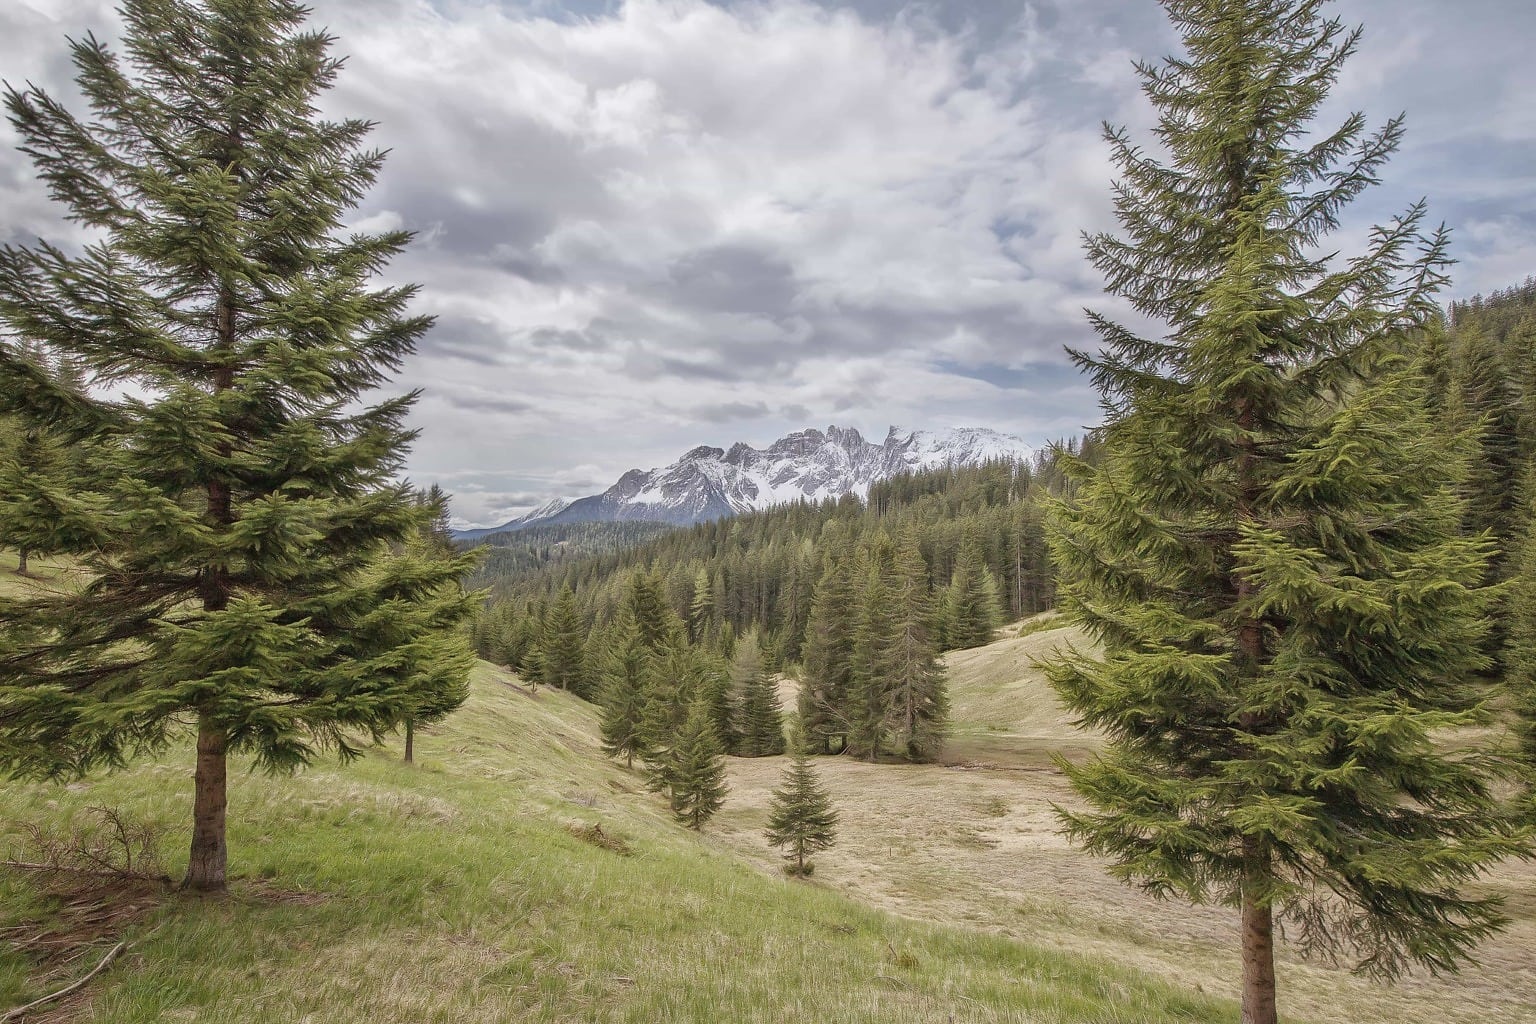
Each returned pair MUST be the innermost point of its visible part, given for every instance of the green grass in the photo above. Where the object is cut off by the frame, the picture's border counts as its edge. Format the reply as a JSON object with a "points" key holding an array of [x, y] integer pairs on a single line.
{"points": [[456, 892]]}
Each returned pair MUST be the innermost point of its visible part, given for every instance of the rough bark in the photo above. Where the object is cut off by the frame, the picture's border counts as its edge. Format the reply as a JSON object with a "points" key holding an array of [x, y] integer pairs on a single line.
{"points": [[1258, 962], [206, 869]]}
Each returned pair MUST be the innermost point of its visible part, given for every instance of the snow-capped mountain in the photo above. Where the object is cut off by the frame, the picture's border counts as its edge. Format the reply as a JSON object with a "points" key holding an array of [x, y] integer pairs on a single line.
{"points": [[713, 483], [543, 512]]}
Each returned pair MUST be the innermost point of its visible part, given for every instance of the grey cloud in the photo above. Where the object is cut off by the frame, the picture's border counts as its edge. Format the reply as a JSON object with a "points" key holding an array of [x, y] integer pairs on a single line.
{"points": [[734, 279], [480, 403], [471, 339], [727, 412]]}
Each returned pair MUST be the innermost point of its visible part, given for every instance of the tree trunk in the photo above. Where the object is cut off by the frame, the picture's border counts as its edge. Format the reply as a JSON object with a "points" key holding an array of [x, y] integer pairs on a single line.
{"points": [[1258, 960], [410, 742], [21, 561], [210, 856]]}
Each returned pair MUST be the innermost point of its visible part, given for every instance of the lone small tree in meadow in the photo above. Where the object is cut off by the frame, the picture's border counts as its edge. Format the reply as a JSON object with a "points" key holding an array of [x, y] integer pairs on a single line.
{"points": [[248, 545], [801, 820], [1270, 549]]}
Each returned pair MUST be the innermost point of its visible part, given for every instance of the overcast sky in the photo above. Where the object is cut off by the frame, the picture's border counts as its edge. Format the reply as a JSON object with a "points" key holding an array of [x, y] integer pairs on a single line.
{"points": [[649, 225]]}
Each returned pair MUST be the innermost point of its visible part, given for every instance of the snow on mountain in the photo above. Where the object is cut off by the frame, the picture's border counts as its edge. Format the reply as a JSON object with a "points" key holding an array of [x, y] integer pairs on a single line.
{"points": [[543, 512], [809, 465]]}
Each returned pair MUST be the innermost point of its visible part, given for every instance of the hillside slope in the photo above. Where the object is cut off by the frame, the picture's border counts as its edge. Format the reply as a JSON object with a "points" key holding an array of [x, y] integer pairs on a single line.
{"points": [[454, 892], [976, 842]]}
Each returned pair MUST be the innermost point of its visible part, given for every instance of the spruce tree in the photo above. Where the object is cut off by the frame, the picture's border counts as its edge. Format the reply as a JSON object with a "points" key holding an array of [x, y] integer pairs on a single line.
{"points": [[563, 647], [701, 611], [1269, 551], [433, 703], [919, 694], [697, 784], [246, 542], [647, 604], [623, 694], [674, 684], [801, 820], [827, 666], [868, 706], [759, 726], [973, 607]]}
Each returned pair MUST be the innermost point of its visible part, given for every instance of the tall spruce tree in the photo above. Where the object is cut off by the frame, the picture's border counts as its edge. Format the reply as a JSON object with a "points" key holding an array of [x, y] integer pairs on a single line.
{"points": [[827, 665], [972, 607], [697, 784], [702, 609], [247, 544], [623, 693], [867, 707], [432, 704], [758, 721], [674, 684], [647, 604], [563, 647], [1270, 552], [919, 697]]}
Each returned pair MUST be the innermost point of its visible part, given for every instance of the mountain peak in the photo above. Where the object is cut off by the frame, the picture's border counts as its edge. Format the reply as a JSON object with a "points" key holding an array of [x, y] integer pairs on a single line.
{"points": [[807, 465]]}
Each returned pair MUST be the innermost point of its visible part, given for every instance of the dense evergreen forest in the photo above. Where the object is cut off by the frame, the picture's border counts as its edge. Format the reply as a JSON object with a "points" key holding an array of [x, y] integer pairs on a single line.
{"points": [[517, 553], [857, 598], [975, 527]]}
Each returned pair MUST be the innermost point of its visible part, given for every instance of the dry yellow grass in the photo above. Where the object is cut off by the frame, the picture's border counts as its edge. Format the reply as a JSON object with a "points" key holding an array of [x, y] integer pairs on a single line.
{"points": [[974, 842], [45, 572]]}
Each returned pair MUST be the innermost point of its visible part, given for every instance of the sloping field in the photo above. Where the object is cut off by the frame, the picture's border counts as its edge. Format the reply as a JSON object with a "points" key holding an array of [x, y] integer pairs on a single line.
{"points": [[456, 892], [974, 841]]}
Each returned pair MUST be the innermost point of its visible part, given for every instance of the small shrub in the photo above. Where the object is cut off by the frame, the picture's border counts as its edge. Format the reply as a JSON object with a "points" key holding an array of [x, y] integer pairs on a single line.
{"points": [[595, 835]]}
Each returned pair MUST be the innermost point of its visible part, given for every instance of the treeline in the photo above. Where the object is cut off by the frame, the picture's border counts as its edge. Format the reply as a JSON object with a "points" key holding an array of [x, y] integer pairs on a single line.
{"points": [[1484, 377], [515, 554], [1484, 373], [975, 528]]}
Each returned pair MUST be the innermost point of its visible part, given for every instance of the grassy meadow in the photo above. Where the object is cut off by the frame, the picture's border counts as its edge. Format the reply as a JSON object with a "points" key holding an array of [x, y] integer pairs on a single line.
{"points": [[974, 842], [473, 887]]}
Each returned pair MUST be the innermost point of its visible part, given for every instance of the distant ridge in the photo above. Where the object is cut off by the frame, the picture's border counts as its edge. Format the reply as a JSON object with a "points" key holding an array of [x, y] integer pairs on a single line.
{"points": [[809, 465]]}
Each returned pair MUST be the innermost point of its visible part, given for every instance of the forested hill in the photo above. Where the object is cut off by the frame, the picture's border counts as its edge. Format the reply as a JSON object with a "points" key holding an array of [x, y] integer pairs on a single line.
{"points": [[512, 555], [1485, 379], [976, 527], [1505, 314]]}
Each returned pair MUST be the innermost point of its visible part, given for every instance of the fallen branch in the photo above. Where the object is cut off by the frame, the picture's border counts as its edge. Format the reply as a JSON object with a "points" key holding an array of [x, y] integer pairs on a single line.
{"points": [[21, 1011], [95, 872]]}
